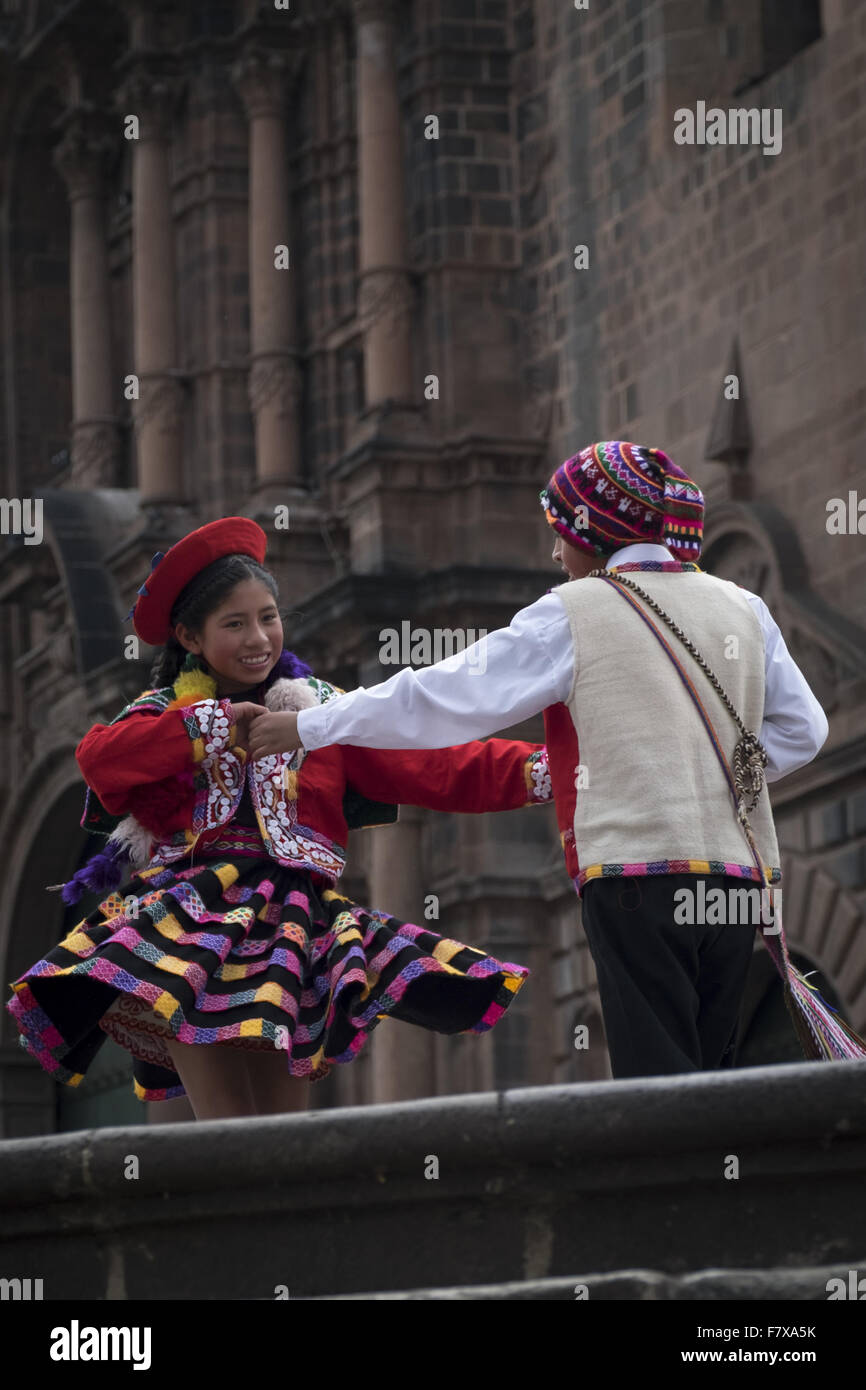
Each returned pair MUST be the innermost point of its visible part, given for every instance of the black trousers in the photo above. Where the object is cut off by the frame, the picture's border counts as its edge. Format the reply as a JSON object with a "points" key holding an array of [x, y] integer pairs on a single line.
{"points": [[670, 992]]}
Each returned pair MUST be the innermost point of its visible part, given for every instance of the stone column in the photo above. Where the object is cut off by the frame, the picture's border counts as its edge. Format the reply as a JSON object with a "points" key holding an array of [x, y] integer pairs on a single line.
{"points": [[403, 1060], [276, 379], [159, 411], [83, 157], [385, 296]]}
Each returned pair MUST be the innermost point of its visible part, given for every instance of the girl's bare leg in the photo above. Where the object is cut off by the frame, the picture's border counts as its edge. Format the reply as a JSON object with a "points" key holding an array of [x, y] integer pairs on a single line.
{"points": [[214, 1078], [274, 1090]]}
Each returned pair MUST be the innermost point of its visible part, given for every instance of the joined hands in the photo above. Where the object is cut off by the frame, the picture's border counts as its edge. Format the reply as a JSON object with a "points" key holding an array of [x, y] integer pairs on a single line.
{"points": [[261, 731]]}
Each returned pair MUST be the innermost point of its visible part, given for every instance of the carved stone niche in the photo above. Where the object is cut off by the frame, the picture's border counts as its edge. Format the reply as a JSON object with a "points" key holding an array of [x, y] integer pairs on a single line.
{"points": [[736, 555], [740, 557], [753, 545]]}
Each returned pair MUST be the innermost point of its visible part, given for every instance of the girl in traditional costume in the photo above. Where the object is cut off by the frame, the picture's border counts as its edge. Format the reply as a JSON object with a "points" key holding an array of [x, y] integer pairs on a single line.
{"points": [[658, 772], [227, 963]]}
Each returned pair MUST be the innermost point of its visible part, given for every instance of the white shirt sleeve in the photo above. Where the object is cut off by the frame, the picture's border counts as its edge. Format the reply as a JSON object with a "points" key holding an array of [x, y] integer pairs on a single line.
{"points": [[518, 671], [508, 676], [795, 726]]}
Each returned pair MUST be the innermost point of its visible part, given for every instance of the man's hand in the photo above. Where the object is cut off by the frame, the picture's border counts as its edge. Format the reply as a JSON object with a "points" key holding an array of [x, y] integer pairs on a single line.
{"points": [[274, 732], [244, 714]]}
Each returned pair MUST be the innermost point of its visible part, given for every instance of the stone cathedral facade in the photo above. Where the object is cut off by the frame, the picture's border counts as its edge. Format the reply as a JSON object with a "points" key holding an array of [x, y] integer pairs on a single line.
{"points": [[379, 266]]}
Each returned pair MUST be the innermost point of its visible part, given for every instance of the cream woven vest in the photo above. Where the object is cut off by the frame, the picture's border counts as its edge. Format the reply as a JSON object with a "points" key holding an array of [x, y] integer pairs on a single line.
{"points": [[650, 788]]}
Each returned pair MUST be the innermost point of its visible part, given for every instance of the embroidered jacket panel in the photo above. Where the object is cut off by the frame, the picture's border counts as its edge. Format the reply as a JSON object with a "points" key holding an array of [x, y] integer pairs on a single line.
{"points": [[179, 773]]}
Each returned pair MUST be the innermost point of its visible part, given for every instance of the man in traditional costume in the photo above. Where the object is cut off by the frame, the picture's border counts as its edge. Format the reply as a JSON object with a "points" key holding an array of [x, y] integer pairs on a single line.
{"points": [[640, 744]]}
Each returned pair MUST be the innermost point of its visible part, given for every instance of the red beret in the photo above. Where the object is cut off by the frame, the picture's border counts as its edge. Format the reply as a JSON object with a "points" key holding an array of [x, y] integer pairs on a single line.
{"points": [[171, 572]]}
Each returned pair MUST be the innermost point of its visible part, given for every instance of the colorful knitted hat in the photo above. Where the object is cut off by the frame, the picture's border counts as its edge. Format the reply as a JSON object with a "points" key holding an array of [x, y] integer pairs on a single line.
{"points": [[171, 572], [615, 493]]}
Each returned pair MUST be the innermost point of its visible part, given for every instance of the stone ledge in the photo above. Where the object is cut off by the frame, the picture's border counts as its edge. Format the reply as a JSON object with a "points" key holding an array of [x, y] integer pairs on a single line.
{"points": [[647, 1285], [532, 1184]]}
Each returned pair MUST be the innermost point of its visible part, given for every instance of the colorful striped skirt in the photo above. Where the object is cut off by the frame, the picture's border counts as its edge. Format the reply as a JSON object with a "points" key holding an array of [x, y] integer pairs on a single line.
{"points": [[245, 953]]}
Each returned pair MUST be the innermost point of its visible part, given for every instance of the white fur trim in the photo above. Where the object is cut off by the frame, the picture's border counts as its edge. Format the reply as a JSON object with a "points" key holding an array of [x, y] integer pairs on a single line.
{"points": [[133, 836], [291, 695]]}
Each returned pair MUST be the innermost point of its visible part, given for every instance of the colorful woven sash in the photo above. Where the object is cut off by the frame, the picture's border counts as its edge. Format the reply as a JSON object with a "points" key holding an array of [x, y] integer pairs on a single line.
{"points": [[823, 1035], [233, 839]]}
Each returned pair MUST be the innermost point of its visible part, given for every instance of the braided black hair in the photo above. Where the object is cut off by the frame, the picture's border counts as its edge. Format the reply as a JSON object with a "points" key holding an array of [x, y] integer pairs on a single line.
{"points": [[197, 600]]}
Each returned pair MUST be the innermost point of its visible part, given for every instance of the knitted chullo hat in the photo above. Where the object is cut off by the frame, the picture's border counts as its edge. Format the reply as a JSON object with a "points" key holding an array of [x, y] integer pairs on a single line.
{"points": [[615, 493]]}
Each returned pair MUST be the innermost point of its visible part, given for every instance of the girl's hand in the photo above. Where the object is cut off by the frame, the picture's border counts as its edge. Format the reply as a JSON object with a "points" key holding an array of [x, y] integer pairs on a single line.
{"points": [[274, 732], [243, 715]]}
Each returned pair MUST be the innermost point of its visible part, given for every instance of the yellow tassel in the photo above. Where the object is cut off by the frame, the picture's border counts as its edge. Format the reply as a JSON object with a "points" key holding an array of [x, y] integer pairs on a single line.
{"points": [[195, 683], [191, 686]]}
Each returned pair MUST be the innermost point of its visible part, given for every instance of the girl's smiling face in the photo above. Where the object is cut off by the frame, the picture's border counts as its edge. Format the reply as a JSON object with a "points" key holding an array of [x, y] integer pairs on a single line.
{"points": [[241, 640]]}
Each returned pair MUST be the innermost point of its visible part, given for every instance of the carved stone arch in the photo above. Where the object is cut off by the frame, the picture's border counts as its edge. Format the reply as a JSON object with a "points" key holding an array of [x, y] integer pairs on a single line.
{"points": [[738, 547], [48, 849], [73, 662], [45, 843], [824, 929], [76, 529], [753, 544], [826, 923], [44, 847]]}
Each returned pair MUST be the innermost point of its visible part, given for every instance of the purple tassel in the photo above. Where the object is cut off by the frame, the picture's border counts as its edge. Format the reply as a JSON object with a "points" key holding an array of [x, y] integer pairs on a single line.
{"points": [[289, 667], [100, 874]]}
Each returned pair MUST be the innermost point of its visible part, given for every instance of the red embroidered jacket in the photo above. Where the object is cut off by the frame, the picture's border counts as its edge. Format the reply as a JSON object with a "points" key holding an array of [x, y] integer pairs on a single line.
{"points": [[180, 776]]}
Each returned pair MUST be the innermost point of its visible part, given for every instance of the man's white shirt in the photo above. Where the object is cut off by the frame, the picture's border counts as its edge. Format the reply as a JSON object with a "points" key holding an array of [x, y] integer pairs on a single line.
{"points": [[519, 670]]}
